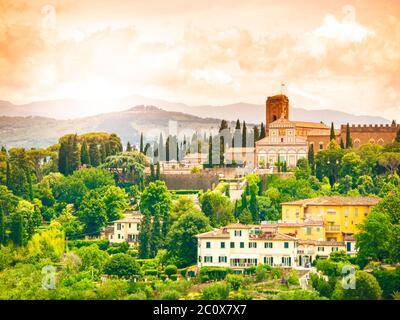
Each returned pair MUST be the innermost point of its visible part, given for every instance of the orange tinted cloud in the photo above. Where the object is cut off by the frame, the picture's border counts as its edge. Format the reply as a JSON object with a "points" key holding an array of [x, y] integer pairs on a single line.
{"points": [[205, 51]]}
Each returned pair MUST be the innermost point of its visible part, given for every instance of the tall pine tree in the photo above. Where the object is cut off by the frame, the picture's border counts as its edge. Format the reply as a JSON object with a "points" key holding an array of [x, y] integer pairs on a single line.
{"points": [[244, 135], [141, 143], [332, 134], [145, 236], [85, 159], [349, 142]]}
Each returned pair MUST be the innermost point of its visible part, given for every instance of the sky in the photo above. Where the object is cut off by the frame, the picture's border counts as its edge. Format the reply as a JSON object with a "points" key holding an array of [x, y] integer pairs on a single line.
{"points": [[342, 55]]}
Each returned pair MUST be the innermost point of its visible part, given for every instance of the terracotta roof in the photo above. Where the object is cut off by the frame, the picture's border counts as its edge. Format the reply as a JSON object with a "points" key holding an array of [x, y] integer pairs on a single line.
{"points": [[348, 237], [305, 223], [307, 124], [238, 226], [282, 123], [216, 233], [135, 216], [336, 200], [321, 243], [276, 236]]}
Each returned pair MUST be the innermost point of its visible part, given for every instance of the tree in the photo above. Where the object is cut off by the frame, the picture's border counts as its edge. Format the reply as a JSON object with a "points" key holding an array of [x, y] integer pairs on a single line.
{"points": [[92, 212], [93, 259], [158, 171], [311, 159], [116, 201], [210, 152], [262, 131], [349, 142], [156, 199], [397, 139], [141, 148], [332, 133], [85, 158], [244, 135], [145, 236], [17, 229], [69, 223], [19, 176], [256, 134], [303, 170], [253, 207], [341, 144], [2, 227], [94, 155], [122, 265], [245, 216], [380, 231], [128, 147], [328, 162], [350, 165], [217, 208], [181, 241], [390, 160], [367, 288]]}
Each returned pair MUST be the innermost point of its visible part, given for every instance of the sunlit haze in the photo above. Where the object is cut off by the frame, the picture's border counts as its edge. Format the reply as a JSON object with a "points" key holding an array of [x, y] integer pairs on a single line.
{"points": [[342, 55]]}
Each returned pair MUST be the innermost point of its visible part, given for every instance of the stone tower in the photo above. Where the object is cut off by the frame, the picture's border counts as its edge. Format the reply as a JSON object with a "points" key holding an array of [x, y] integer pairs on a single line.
{"points": [[277, 107]]}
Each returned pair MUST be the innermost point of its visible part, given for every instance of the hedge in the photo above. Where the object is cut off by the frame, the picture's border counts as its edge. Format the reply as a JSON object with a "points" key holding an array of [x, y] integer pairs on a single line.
{"points": [[213, 273], [151, 272], [185, 191], [102, 244]]}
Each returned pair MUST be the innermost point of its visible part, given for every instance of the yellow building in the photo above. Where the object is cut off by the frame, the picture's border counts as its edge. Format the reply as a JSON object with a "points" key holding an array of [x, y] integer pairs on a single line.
{"points": [[340, 215]]}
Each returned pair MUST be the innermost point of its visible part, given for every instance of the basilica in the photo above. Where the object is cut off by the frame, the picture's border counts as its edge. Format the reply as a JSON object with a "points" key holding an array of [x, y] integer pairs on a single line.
{"points": [[288, 141]]}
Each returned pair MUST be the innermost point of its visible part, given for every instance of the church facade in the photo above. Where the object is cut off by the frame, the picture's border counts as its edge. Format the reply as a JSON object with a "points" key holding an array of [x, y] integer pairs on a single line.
{"points": [[289, 141]]}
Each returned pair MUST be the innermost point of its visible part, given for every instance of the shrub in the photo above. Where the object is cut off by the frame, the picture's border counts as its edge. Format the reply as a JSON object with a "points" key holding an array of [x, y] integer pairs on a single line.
{"points": [[367, 288], [261, 275], [389, 281], [151, 272], [293, 278], [163, 277], [298, 295], [102, 244], [138, 296], [184, 273], [324, 288], [216, 291], [235, 280], [214, 273], [170, 295], [170, 270], [250, 270], [115, 248], [122, 265], [173, 277], [276, 273]]}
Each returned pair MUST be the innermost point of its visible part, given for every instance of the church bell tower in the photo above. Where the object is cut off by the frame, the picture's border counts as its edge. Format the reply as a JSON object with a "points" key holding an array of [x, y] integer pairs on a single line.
{"points": [[277, 107]]}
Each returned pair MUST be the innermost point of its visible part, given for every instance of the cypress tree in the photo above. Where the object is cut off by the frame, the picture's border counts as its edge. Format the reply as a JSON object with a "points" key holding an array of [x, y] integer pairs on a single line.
{"points": [[128, 147], [155, 235], [262, 131], [8, 173], [94, 154], [332, 135], [85, 159], [158, 172], [62, 158], [237, 127], [341, 143], [227, 191], [256, 135], [236, 211], [253, 206], [244, 200], [2, 226], [167, 143], [349, 143], [103, 153], [152, 175], [141, 143], [244, 135], [145, 236], [76, 154], [210, 157], [161, 149], [311, 160], [17, 229]]}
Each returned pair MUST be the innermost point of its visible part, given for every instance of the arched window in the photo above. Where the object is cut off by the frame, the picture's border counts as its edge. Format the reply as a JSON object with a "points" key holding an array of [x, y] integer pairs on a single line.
{"points": [[321, 146], [274, 118], [356, 143], [371, 141], [381, 142]]}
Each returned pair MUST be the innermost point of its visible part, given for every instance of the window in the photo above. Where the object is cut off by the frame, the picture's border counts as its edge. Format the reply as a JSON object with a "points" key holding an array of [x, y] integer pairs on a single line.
{"points": [[356, 212], [252, 244], [282, 140], [118, 226], [346, 212], [321, 249], [321, 146], [119, 236], [138, 226], [208, 245], [287, 261], [348, 246], [241, 245], [269, 260], [331, 211], [335, 249], [199, 258], [308, 229], [208, 258], [222, 259], [232, 245], [286, 245], [238, 233], [130, 225], [267, 244], [222, 245]]}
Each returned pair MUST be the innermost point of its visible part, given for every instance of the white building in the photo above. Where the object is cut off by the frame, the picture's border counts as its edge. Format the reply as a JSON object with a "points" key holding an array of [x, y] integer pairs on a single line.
{"points": [[281, 143], [240, 246], [126, 229]]}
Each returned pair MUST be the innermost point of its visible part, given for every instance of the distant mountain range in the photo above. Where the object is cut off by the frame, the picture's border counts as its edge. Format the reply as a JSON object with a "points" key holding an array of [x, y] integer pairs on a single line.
{"points": [[39, 124]]}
